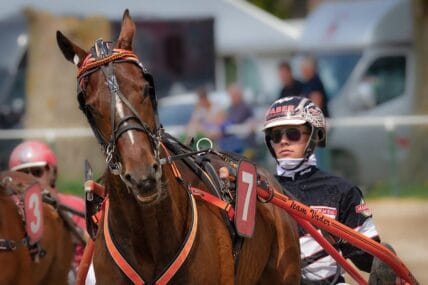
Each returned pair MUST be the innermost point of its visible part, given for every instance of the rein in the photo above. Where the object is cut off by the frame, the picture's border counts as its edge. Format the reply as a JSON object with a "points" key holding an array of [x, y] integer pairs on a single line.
{"points": [[103, 57]]}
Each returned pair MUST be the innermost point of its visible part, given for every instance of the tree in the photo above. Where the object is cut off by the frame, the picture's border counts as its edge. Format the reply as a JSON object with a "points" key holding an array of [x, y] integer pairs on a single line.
{"points": [[283, 9], [418, 168]]}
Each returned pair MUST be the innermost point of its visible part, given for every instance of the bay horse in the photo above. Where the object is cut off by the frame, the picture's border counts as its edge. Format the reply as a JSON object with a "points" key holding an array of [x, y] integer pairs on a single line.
{"points": [[46, 262], [153, 230]]}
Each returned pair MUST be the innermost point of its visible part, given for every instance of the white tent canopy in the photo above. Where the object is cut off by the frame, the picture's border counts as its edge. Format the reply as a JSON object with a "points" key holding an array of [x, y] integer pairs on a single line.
{"points": [[239, 26]]}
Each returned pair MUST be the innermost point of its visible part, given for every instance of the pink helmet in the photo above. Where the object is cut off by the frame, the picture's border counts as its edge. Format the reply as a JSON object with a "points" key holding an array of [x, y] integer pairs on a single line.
{"points": [[31, 154]]}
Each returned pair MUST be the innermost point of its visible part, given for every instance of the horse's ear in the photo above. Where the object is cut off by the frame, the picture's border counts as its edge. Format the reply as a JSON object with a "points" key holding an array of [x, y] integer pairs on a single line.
{"points": [[70, 51], [127, 31]]}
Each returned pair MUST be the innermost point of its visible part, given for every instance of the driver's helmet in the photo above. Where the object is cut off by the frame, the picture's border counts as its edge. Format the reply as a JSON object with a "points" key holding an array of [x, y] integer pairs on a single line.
{"points": [[31, 154], [296, 110]]}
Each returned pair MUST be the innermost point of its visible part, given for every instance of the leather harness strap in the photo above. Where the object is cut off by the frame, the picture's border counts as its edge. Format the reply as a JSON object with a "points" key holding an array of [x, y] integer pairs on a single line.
{"points": [[90, 62], [171, 270], [214, 201], [115, 254], [203, 195], [185, 250], [11, 245]]}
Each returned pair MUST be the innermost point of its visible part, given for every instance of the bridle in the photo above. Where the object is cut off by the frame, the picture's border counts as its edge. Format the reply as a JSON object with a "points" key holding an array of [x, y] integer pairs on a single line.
{"points": [[103, 57]]}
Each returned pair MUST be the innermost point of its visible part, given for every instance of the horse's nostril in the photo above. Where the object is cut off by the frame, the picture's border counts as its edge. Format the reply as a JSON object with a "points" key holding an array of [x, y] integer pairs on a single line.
{"points": [[128, 177]]}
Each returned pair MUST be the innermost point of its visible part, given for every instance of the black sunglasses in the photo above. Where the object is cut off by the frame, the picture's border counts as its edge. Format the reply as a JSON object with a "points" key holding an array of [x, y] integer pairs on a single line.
{"points": [[292, 134], [34, 171]]}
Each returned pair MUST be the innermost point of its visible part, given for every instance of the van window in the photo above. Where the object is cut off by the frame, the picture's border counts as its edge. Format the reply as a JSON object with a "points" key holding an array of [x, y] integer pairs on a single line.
{"points": [[334, 70], [387, 75]]}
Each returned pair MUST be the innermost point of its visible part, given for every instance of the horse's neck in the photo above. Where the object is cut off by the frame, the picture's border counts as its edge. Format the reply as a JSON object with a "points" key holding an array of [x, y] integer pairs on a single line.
{"points": [[155, 232]]}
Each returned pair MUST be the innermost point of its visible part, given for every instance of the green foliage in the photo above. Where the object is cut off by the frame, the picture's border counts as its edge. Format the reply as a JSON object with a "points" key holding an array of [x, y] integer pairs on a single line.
{"points": [[382, 190], [280, 8], [70, 187], [231, 70]]}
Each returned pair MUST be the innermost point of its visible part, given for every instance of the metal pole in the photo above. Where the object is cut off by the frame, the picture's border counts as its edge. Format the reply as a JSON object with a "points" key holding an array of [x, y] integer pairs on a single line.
{"points": [[394, 182]]}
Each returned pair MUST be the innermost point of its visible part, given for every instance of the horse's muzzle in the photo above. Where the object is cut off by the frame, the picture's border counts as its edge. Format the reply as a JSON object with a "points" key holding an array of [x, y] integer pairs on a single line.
{"points": [[145, 186], [146, 190]]}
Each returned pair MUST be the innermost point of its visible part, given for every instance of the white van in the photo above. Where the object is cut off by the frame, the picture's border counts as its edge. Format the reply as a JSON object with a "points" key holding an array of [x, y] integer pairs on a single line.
{"points": [[365, 56]]}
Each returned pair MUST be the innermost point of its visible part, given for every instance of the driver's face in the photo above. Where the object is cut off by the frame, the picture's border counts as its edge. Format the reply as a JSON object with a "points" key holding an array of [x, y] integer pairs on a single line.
{"points": [[41, 173]]}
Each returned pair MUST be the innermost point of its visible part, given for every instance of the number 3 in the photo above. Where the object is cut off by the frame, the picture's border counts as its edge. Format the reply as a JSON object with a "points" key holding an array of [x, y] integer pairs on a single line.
{"points": [[34, 204]]}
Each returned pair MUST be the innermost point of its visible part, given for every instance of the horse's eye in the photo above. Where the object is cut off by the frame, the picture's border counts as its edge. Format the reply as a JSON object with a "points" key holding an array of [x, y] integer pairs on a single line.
{"points": [[144, 93], [146, 90], [81, 99]]}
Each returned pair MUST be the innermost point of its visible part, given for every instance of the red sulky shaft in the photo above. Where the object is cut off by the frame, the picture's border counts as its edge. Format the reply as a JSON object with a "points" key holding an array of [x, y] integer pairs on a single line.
{"points": [[297, 209]]}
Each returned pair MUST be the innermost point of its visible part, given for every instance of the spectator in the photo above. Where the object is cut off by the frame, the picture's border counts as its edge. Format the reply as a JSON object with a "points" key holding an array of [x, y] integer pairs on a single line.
{"points": [[205, 118], [313, 87], [293, 127], [290, 86], [239, 112], [37, 159]]}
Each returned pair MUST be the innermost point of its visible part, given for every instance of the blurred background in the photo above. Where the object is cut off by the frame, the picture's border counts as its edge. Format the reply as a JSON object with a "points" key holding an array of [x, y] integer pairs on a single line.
{"points": [[371, 57]]}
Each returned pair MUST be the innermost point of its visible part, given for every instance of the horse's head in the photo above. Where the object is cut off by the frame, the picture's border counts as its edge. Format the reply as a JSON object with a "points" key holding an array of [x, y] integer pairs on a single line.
{"points": [[117, 96]]}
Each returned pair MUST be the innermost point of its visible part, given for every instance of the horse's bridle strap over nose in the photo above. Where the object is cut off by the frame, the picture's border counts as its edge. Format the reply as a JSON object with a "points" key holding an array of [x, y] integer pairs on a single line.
{"points": [[122, 126]]}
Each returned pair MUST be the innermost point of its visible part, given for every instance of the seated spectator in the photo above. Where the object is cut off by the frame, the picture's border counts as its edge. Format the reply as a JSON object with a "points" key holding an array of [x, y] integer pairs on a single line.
{"points": [[205, 118], [239, 112]]}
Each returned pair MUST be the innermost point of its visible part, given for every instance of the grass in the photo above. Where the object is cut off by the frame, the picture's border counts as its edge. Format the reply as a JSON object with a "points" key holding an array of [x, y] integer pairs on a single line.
{"points": [[70, 187], [381, 190]]}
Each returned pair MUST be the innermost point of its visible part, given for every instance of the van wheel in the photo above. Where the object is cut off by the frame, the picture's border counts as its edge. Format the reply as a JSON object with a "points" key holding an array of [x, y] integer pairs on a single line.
{"points": [[345, 165]]}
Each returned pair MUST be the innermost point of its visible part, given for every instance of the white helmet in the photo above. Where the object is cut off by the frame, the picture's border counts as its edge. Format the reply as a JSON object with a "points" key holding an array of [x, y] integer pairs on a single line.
{"points": [[296, 110]]}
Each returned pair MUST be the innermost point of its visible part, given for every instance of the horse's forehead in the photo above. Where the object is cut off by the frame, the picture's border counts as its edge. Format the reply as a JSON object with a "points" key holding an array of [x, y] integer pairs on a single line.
{"points": [[129, 80], [124, 72], [129, 72]]}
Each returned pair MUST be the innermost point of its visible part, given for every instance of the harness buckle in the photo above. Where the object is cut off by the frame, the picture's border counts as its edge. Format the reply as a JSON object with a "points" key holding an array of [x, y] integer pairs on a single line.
{"points": [[101, 49], [112, 83], [109, 153], [11, 244], [115, 168]]}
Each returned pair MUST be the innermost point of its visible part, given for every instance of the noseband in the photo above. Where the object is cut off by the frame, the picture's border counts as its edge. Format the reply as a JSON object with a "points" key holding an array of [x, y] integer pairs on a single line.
{"points": [[103, 57]]}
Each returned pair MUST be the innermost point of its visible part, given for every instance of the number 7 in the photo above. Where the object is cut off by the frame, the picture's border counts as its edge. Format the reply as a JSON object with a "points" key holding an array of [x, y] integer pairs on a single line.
{"points": [[247, 178]]}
